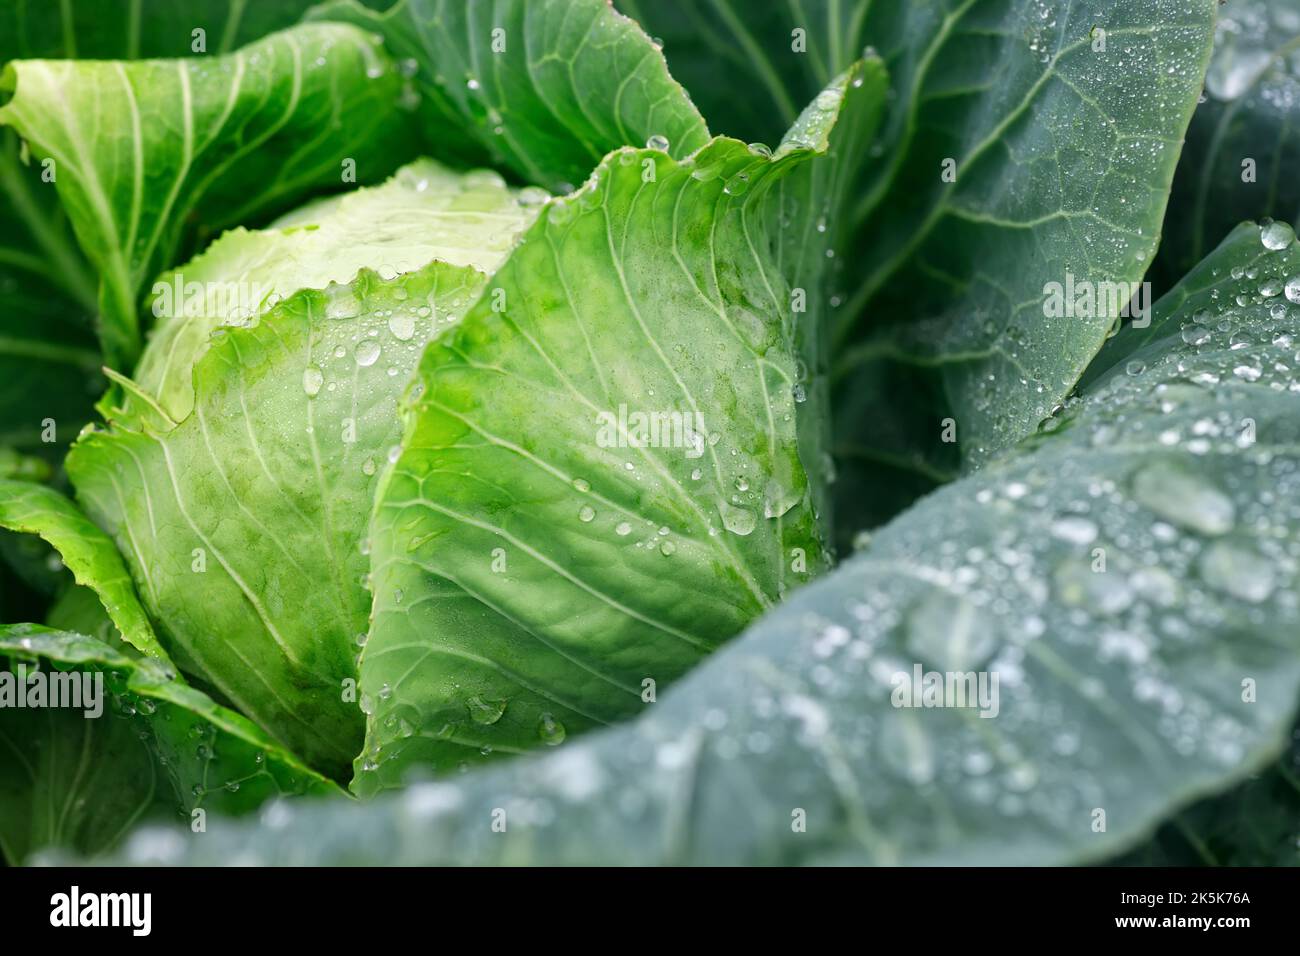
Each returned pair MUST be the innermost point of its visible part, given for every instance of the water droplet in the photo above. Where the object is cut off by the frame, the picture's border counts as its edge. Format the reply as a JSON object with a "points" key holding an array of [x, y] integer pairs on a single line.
{"points": [[367, 352], [1074, 529], [1184, 498], [368, 466], [581, 484], [1237, 571], [977, 762], [778, 499], [828, 99], [906, 749], [312, 379], [737, 520], [667, 548], [586, 513], [1078, 585], [657, 142], [550, 730], [623, 529], [532, 196], [402, 325], [951, 633], [485, 712], [737, 185], [1276, 235]]}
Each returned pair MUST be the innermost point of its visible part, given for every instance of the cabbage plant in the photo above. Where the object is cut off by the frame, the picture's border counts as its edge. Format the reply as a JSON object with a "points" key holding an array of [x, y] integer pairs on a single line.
{"points": [[556, 431]]}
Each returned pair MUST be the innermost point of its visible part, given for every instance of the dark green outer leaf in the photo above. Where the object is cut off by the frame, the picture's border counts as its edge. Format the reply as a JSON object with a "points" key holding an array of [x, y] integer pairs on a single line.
{"points": [[808, 243], [1121, 690], [546, 87], [1254, 824], [717, 47], [1250, 114], [70, 782], [1063, 157], [1242, 266], [159, 750]]}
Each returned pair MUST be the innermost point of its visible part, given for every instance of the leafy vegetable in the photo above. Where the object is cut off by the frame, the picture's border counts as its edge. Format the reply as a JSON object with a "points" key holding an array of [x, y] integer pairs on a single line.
{"points": [[245, 521], [504, 456], [1122, 690]]}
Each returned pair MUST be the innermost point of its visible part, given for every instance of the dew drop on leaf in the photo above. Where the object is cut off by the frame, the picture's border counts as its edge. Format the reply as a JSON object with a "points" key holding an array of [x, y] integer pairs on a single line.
{"points": [[1185, 498], [312, 380], [1074, 529], [550, 730], [1276, 235], [1238, 571], [951, 633], [739, 521], [402, 325], [778, 498], [485, 712], [906, 749]]}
